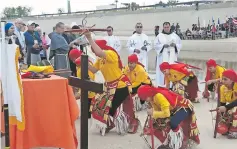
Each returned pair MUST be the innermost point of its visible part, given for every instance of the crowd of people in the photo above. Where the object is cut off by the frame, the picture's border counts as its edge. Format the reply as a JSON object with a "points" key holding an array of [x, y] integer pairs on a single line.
{"points": [[169, 101], [211, 32]]}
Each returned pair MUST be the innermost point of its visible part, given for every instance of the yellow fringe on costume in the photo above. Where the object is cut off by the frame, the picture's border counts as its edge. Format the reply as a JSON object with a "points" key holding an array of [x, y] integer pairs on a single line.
{"points": [[234, 123], [184, 82], [109, 103], [194, 130], [12, 119], [105, 116], [44, 69], [194, 118]]}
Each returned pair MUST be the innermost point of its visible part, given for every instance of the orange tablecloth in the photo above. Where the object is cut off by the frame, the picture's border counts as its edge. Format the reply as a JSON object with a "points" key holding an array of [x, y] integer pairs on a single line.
{"points": [[50, 112]]}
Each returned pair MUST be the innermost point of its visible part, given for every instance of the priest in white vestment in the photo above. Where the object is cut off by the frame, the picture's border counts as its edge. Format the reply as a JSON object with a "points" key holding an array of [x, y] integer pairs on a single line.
{"points": [[113, 41], [140, 45], [167, 45], [11, 78]]}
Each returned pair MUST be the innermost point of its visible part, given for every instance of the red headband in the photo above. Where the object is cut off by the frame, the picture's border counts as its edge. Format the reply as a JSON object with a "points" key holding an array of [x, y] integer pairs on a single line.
{"points": [[133, 58], [145, 91], [164, 66], [75, 53], [78, 61], [231, 74], [211, 63], [149, 91]]}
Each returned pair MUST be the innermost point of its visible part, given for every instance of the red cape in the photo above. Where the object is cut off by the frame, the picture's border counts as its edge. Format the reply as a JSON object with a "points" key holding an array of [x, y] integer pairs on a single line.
{"points": [[103, 46], [169, 95]]}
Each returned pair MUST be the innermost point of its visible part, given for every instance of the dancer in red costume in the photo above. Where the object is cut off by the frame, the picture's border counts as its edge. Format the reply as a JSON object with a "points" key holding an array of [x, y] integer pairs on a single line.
{"points": [[174, 120], [228, 94], [138, 76], [213, 78], [106, 107], [75, 57], [184, 81]]}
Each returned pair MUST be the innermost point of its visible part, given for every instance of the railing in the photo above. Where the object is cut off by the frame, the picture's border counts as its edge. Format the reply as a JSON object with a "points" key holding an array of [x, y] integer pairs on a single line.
{"points": [[123, 9], [79, 12]]}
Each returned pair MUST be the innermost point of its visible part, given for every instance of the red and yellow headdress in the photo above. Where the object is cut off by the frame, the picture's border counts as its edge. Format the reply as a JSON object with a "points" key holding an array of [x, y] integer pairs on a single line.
{"points": [[134, 59], [74, 53], [103, 45], [149, 91], [230, 74], [210, 63], [178, 67]]}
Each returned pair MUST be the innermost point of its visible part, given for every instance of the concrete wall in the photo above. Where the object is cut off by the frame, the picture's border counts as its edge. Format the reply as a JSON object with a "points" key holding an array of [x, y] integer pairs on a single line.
{"points": [[194, 52], [124, 22], [197, 52]]}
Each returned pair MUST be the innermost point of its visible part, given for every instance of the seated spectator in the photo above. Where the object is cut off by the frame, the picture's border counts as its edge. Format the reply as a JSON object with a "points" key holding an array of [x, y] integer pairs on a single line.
{"points": [[188, 32]]}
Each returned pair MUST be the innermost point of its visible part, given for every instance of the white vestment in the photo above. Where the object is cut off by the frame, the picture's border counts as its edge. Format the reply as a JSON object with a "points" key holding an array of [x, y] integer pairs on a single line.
{"points": [[114, 42], [11, 79], [165, 54], [137, 41]]}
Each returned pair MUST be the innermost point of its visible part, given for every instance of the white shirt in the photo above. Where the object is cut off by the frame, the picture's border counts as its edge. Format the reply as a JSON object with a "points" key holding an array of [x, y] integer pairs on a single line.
{"points": [[21, 38], [114, 42], [137, 41]]}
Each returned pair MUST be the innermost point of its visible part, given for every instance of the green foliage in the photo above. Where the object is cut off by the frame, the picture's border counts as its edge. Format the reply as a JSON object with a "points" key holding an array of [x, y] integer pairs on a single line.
{"points": [[20, 11]]}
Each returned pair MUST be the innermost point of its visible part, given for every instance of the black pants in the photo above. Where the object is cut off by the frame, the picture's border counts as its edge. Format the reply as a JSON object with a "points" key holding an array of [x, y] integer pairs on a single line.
{"points": [[72, 66], [211, 87], [134, 91], [43, 58], [89, 104], [120, 95]]}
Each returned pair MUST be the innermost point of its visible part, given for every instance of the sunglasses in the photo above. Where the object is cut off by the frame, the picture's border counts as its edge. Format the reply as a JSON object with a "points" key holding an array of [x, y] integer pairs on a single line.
{"points": [[139, 27]]}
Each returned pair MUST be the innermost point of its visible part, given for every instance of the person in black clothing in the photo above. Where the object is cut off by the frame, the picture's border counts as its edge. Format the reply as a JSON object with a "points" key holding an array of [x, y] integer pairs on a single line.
{"points": [[36, 25], [172, 29], [157, 28]]}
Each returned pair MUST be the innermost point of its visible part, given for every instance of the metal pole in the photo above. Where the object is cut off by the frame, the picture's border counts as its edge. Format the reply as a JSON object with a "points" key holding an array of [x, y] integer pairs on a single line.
{"points": [[84, 104], [116, 1], [7, 131], [5, 107]]}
